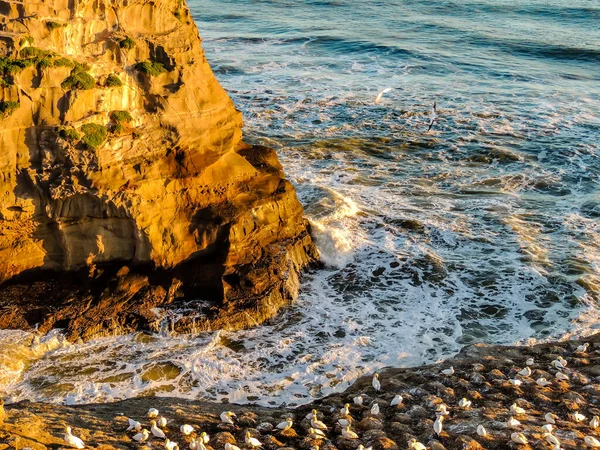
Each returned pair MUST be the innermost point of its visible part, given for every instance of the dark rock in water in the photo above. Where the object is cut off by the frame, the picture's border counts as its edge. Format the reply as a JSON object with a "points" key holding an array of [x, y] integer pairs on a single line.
{"points": [[135, 191]]}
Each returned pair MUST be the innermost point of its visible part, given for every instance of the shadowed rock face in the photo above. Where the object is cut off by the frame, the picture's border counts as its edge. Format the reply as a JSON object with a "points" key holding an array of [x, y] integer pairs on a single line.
{"points": [[96, 232]]}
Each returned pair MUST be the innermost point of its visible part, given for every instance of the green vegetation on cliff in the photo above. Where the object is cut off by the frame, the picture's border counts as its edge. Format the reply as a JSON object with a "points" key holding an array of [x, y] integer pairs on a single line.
{"points": [[151, 68], [113, 81], [121, 116], [79, 79], [7, 108], [69, 134], [127, 43], [94, 135]]}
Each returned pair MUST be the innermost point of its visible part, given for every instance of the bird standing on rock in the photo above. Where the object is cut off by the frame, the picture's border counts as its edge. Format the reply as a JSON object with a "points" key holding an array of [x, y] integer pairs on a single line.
{"points": [[375, 382], [72, 441], [530, 362], [464, 403], [156, 432], [162, 422], [152, 413], [592, 441], [551, 418], [578, 417], [561, 376], [229, 446], [310, 415], [375, 409], [348, 433], [252, 442], [595, 422], [513, 423], [396, 400], [226, 417], [481, 431], [170, 445], [358, 400], [525, 372], [449, 371], [437, 425], [518, 438], [142, 436], [413, 444], [517, 410], [283, 426], [186, 429], [316, 423], [345, 411], [134, 425], [316, 434], [542, 382], [582, 348]]}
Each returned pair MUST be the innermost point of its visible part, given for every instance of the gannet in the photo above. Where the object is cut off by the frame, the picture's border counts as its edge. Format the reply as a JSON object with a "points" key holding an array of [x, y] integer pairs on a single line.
{"points": [[186, 429], [72, 441], [513, 423], [542, 382], [595, 422], [197, 444], [519, 438], [156, 432], [362, 447], [315, 434], [515, 382], [437, 425], [358, 400], [380, 95], [348, 433], [375, 409], [442, 410], [162, 422], [525, 372], [582, 348], [345, 410], [551, 418], [170, 445], [557, 364], [141, 436], [592, 441], [516, 410], [134, 425], [432, 116], [561, 376], [316, 423], [449, 371], [551, 439], [375, 382], [547, 428], [226, 417], [152, 413], [285, 425], [464, 403], [252, 442], [562, 360], [396, 400], [310, 415], [413, 444], [481, 431], [578, 417], [229, 446], [530, 362], [343, 423], [205, 437]]}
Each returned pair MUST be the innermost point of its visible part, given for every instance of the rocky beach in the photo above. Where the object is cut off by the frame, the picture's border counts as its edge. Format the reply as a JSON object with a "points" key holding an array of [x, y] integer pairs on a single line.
{"points": [[490, 378]]}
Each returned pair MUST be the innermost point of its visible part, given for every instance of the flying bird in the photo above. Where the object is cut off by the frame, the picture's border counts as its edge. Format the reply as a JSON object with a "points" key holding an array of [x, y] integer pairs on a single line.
{"points": [[381, 94], [432, 116]]}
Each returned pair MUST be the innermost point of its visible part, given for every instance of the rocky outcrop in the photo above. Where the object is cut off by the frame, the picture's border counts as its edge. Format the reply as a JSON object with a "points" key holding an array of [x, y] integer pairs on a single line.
{"points": [[125, 183]]}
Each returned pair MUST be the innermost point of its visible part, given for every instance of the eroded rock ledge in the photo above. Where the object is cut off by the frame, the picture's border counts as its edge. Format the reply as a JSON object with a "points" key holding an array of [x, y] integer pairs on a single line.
{"points": [[125, 183], [482, 375]]}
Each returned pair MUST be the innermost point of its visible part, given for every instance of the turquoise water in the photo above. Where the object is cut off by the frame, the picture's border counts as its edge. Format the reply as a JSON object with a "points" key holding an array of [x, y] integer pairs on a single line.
{"points": [[485, 229]]}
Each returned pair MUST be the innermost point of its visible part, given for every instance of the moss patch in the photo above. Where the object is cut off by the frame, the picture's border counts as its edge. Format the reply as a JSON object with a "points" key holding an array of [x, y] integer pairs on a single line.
{"points": [[7, 108], [121, 116], [113, 81], [79, 79], [69, 134], [127, 43], [151, 68], [94, 135]]}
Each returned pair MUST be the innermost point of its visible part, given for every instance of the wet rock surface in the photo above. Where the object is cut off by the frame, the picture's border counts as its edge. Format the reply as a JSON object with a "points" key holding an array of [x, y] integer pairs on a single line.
{"points": [[426, 392]]}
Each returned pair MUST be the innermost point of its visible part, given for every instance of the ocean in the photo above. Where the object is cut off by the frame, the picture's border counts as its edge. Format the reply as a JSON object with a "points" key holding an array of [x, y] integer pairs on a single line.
{"points": [[486, 229]]}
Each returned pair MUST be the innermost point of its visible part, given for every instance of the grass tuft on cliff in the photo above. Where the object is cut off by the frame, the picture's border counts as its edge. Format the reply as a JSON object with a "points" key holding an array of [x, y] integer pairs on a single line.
{"points": [[127, 43], [79, 79], [121, 116], [27, 40], [94, 135], [51, 25], [113, 81], [7, 108], [151, 68], [69, 134]]}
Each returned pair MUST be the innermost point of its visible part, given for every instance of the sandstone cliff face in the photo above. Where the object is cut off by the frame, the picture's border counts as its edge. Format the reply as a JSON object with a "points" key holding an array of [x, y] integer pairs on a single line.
{"points": [[124, 181]]}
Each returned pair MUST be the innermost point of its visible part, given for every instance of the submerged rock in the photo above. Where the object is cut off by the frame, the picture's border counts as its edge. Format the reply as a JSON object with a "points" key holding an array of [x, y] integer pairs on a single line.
{"points": [[125, 184]]}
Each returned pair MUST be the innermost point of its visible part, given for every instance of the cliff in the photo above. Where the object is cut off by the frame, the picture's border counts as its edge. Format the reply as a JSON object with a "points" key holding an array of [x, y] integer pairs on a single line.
{"points": [[125, 183]]}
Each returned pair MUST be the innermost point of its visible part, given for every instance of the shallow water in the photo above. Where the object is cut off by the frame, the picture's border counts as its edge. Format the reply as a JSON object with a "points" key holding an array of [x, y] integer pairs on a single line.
{"points": [[486, 229]]}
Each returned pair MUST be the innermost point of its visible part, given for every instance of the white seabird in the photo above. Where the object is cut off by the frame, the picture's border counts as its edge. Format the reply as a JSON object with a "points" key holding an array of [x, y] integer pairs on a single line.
{"points": [[343, 423], [134, 425], [551, 418], [464, 403], [578, 417], [513, 423], [315, 434], [592, 441], [547, 428], [517, 410], [156, 432], [449, 371], [442, 410], [396, 400], [251, 441], [348, 433], [362, 447], [142, 436], [186, 429], [381, 94], [205, 437], [437, 425], [561, 376], [358, 400], [197, 444], [595, 422], [345, 411], [229, 446], [432, 116], [226, 417], [551, 439], [162, 422], [530, 362], [310, 415], [542, 382], [375, 409], [525, 372], [316, 423], [375, 382], [515, 382], [518, 438], [152, 413], [582, 348], [481, 431], [170, 445], [413, 444], [72, 441], [286, 425]]}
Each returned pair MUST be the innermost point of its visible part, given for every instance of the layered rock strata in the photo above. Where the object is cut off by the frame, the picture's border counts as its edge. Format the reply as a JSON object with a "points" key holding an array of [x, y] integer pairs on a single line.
{"points": [[125, 184]]}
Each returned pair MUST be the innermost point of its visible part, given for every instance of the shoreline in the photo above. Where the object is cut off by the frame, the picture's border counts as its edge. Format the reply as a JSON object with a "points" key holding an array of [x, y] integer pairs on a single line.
{"points": [[482, 375]]}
